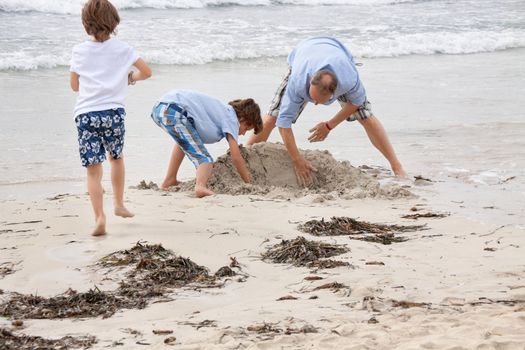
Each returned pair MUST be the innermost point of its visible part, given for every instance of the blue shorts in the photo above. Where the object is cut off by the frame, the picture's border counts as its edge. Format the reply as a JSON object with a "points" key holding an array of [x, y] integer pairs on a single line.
{"points": [[99, 132], [175, 121]]}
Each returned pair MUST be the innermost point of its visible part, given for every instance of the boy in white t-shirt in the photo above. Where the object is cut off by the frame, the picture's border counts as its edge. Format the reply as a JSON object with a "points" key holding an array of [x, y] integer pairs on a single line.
{"points": [[100, 72]]}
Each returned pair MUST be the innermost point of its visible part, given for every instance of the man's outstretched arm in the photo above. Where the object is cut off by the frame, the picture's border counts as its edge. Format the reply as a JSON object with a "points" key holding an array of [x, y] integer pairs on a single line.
{"points": [[303, 168]]}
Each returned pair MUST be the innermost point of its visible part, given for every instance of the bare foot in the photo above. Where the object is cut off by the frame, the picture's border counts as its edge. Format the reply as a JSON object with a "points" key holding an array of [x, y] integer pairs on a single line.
{"points": [[167, 183], [100, 227], [123, 212], [201, 191], [400, 172]]}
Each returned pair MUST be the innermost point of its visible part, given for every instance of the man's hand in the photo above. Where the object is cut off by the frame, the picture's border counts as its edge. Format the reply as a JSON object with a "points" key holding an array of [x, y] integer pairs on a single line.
{"points": [[319, 132], [303, 170]]}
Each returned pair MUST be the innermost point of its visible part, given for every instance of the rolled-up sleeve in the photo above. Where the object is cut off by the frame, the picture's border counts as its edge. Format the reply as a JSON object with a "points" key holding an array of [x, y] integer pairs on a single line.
{"points": [[73, 62], [132, 56], [290, 106], [357, 95]]}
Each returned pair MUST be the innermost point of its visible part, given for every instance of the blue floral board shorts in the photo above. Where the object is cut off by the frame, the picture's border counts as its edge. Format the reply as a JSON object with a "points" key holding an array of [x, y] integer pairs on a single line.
{"points": [[174, 119], [100, 132]]}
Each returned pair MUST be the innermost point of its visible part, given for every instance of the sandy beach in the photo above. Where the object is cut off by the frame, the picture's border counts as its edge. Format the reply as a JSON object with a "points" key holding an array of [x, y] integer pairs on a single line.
{"points": [[450, 282], [360, 261]]}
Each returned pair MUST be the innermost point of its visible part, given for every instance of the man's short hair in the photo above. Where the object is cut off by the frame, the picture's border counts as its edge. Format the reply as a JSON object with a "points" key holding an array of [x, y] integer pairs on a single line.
{"points": [[325, 82]]}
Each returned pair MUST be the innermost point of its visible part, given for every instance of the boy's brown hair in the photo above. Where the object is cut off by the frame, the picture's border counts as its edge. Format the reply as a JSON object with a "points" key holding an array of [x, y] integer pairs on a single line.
{"points": [[248, 111], [100, 18]]}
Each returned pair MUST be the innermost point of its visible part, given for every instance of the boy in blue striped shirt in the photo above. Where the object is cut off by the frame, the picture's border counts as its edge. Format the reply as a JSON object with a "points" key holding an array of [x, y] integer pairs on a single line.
{"points": [[193, 119]]}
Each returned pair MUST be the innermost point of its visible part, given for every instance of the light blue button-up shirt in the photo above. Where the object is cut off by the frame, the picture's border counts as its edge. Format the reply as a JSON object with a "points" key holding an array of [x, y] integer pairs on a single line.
{"points": [[309, 57], [213, 118]]}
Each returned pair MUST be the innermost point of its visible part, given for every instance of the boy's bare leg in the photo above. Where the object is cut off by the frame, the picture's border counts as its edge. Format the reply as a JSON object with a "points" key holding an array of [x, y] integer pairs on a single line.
{"points": [[203, 174], [177, 155], [268, 126], [117, 181], [377, 135], [96, 194]]}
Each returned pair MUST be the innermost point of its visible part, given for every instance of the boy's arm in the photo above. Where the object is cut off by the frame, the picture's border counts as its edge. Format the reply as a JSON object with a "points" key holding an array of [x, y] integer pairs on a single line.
{"points": [[73, 81], [238, 160], [143, 73]]}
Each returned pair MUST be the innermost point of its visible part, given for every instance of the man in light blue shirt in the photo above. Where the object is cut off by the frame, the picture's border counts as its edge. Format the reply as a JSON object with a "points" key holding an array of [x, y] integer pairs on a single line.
{"points": [[322, 70]]}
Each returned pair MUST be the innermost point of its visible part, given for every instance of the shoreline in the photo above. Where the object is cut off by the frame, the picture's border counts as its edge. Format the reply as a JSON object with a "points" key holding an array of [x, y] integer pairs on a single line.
{"points": [[435, 114]]}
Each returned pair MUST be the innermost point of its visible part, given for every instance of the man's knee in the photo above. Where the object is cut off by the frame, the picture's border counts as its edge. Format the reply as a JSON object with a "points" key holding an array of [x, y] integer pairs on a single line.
{"points": [[368, 120]]}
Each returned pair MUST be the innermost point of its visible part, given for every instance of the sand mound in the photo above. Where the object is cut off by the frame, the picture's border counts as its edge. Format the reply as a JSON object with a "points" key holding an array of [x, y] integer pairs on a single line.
{"points": [[272, 171]]}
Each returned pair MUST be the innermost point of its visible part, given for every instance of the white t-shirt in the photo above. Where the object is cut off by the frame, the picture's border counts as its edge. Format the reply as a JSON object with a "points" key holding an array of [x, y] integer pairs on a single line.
{"points": [[103, 69]]}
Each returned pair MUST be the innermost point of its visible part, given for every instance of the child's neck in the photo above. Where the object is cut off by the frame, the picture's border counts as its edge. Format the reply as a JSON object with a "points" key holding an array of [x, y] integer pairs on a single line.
{"points": [[92, 38]]}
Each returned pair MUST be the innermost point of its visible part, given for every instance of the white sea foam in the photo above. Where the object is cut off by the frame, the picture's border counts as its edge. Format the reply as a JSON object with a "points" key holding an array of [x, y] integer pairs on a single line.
{"points": [[441, 43], [32, 36], [487, 178], [74, 6], [173, 54]]}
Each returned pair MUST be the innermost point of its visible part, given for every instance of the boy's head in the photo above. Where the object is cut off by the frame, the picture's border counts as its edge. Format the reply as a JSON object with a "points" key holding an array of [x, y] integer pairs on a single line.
{"points": [[249, 115], [100, 18], [322, 86]]}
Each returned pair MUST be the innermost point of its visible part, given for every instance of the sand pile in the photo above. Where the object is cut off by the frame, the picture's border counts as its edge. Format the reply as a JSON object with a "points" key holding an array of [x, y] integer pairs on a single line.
{"points": [[272, 171]]}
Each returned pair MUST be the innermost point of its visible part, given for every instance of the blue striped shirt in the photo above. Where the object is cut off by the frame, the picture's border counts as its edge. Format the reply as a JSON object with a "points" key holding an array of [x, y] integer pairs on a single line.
{"points": [[213, 118]]}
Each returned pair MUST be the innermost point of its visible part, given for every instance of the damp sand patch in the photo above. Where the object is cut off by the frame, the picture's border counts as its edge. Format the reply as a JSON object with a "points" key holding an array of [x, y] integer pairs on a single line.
{"points": [[302, 252], [359, 230], [273, 173], [149, 272]]}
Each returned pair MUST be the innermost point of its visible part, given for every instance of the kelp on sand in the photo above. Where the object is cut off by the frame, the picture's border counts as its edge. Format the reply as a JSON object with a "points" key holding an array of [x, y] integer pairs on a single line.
{"points": [[151, 271], [301, 252], [359, 230], [11, 341]]}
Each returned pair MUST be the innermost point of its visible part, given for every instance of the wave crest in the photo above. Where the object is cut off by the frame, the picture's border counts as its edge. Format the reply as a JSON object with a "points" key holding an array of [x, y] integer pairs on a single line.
{"points": [[74, 6], [400, 45]]}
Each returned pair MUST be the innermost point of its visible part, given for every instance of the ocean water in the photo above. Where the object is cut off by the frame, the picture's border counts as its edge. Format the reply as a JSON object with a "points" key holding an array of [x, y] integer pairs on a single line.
{"points": [[445, 77], [40, 33]]}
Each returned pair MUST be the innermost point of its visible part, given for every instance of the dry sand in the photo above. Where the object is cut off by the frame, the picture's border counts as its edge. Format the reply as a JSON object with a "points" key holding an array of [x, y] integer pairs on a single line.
{"points": [[455, 284]]}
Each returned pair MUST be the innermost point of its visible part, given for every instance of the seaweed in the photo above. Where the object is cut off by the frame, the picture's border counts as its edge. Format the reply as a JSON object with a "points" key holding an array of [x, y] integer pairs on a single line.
{"points": [[425, 215], [151, 272], [10, 341], [301, 252], [327, 264], [358, 230]]}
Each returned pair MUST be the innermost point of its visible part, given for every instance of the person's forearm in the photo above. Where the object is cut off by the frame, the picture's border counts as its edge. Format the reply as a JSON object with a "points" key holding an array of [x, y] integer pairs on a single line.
{"points": [[342, 115], [138, 75], [289, 142], [240, 165]]}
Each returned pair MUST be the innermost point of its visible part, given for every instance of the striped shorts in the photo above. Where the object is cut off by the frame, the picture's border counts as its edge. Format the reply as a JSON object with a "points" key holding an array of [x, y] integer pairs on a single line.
{"points": [[175, 121], [364, 111]]}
